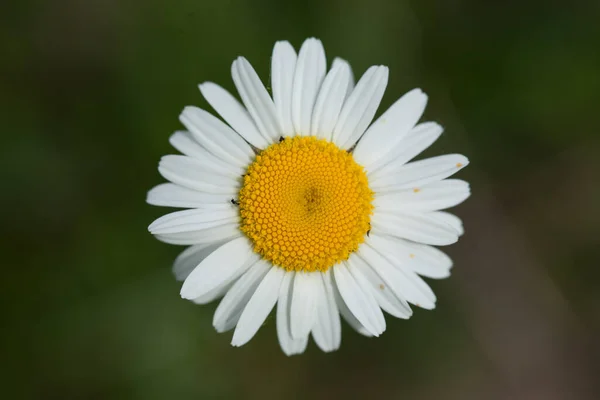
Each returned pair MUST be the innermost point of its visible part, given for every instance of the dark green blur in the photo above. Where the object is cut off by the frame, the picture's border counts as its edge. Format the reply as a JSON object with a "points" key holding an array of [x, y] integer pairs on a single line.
{"points": [[90, 92]]}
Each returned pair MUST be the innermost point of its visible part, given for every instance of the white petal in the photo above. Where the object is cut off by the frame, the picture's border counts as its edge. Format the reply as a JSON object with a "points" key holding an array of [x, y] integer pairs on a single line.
{"points": [[391, 128], [346, 313], [330, 100], [289, 345], [304, 304], [389, 300], [191, 257], [258, 308], [230, 308], [256, 98], [359, 299], [358, 111], [403, 282], [418, 227], [341, 61], [434, 196], [192, 220], [205, 235], [195, 174], [423, 259], [216, 137], [233, 113], [412, 144], [327, 330], [308, 76], [418, 173], [223, 265], [185, 143], [172, 195], [451, 220], [283, 65], [214, 294]]}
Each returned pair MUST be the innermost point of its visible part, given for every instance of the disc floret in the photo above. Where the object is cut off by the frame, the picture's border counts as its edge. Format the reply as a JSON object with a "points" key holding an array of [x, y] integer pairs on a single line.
{"points": [[305, 204]]}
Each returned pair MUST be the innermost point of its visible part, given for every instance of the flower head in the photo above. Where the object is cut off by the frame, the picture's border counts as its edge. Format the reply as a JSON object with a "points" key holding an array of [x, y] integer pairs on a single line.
{"points": [[299, 201]]}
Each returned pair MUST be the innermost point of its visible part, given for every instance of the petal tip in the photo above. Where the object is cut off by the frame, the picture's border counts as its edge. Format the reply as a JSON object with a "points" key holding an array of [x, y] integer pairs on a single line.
{"points": [[283, 44], [186, 111], [236, 63], [152, 227], [185, 294], [206, 86], [236, 341]]}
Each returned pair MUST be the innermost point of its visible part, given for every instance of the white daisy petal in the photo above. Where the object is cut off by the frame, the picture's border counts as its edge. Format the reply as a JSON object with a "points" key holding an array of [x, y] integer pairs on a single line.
{"points": [[195, 174], [256, 99], [359, 299], [347, 314], [431, 197], [403, 282], [418, 173], [330, 100], [189, 259], [192, 220], [377, 317], [389, 300], [412, 144], [327, 329], [258, 308], [216, 137], [289, 345], [360, 107], [214, 294], [172, 195], [451, 220], [428, 261], [223, 265], [196, 226], [418, 227], [207, 234], [185, 143], [283, 65], [308, 76], [421, 258], [230, 308], [304, 304], [391, 128], [233, 113], [340, 61]]}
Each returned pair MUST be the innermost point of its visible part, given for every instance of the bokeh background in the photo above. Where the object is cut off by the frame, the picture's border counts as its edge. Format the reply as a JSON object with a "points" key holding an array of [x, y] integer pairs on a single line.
{"points": [[90, 90]]}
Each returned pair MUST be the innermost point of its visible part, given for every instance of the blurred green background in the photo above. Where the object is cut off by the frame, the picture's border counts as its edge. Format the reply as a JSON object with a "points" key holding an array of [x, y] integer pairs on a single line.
{"points": [[90, 90]]}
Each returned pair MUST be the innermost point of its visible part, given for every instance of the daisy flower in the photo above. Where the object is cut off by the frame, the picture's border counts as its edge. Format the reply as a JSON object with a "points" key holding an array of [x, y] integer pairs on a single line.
{"points": [[298, 201]]}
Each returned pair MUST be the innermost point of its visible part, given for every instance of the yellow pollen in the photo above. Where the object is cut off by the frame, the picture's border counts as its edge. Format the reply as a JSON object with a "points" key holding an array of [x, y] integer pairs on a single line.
{"points": [[416, 190], [305, 204], [458, 165]]}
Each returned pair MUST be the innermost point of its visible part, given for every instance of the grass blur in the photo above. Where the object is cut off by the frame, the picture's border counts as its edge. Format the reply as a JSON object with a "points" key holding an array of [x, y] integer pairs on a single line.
{"points": [[90, 92]]}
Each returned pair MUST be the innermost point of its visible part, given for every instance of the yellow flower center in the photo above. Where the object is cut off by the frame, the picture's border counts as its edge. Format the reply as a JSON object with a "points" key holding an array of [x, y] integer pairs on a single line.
{"points": [[305, 204]]}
